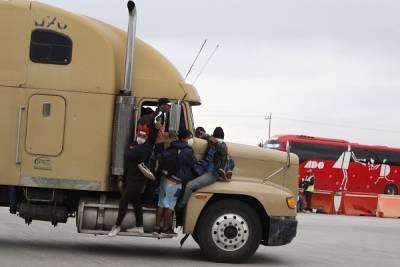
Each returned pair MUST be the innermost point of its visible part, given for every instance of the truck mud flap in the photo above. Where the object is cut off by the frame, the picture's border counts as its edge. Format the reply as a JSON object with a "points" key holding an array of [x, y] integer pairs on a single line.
{"points": [[282, 230]]}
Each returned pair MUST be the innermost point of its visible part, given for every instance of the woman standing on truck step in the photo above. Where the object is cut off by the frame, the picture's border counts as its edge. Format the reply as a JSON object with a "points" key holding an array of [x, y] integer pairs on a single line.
{"points": [[135, 181]]}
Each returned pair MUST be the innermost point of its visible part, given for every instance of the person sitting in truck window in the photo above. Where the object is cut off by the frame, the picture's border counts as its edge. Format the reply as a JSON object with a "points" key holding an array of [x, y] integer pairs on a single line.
{"points": [[135, 181], [215, 155], [176, 164]]}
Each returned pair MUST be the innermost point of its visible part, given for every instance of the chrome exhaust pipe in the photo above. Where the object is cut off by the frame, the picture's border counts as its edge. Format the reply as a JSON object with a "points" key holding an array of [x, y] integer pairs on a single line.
{"points": [[130, 47], [125, 102]]}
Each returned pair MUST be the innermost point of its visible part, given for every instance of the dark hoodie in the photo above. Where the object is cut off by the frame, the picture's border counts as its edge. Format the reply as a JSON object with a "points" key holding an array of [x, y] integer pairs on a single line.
{"points": [[186, 161], [135, 155]]}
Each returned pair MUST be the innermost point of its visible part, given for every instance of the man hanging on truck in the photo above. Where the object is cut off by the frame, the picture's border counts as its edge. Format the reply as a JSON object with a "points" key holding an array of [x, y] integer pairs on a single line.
{"points": [[135, 181], [156, 122], [176, 167], [215, 156]]}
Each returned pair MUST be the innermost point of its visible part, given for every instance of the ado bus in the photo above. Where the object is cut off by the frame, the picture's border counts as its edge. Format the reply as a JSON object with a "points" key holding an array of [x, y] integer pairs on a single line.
{"points": [[343, 166]]}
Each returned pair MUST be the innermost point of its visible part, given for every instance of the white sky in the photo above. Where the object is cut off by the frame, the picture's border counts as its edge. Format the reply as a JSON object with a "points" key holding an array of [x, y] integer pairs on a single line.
{"points": [[323, 68]]}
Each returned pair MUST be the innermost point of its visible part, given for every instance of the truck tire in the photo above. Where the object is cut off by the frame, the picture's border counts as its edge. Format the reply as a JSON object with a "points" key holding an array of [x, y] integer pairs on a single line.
{"points": [[229, 231], [195, 238]]}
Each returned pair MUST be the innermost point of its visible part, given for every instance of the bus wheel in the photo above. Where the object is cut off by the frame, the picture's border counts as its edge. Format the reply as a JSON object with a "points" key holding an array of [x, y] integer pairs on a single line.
{"points": [[229, 231], [391, 189]]}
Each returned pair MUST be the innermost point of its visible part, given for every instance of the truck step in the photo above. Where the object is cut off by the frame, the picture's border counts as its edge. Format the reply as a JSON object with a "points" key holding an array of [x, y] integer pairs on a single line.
{"points": [[149, 235]]}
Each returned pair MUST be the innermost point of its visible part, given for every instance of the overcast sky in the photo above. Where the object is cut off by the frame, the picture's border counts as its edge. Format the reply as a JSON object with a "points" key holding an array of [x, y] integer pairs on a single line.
{"points": [[323, 68]]}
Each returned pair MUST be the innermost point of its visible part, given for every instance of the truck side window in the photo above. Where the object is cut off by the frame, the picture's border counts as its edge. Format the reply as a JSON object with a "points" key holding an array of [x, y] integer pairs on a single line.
{"points": [[49, 47], [148, 107]]}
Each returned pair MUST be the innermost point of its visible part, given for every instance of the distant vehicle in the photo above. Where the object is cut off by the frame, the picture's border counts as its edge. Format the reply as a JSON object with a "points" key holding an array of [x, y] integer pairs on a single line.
{"points": [[343, 166]]}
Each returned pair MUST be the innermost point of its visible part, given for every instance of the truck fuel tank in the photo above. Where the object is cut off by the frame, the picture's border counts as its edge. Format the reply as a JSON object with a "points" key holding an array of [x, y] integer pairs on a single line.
{"points": [[98, 215]]}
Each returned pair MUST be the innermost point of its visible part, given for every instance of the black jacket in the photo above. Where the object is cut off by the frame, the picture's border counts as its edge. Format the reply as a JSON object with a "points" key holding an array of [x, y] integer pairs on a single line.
{"points": [[134, 156], [186, 161]]}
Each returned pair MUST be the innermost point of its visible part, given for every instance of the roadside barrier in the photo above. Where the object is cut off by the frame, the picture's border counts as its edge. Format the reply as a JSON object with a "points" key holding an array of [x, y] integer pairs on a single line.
{"points": [[358, 204], [323, 201], [388, 206]]}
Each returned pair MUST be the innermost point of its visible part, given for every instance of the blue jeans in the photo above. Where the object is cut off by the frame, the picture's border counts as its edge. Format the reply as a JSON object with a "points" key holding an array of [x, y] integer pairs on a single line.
{"points": [[199, 182], [169, 193], [230, 165]]}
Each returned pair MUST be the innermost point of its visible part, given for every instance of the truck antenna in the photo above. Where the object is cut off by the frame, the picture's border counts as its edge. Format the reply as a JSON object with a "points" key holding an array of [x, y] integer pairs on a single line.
{"points": [[205, 64], [195, 59]]}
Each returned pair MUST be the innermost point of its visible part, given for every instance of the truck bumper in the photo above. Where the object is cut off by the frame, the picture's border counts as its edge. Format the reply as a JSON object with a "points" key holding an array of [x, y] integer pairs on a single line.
{"points": [[282, 230]]}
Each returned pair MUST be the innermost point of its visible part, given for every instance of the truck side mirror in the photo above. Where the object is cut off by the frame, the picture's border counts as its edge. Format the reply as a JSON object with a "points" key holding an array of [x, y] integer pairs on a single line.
{"points": [[287, 154], [174, 117]]}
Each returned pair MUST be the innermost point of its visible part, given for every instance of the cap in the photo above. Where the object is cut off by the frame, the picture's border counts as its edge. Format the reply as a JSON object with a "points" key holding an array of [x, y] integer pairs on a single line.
{"points": [[143, 130]]}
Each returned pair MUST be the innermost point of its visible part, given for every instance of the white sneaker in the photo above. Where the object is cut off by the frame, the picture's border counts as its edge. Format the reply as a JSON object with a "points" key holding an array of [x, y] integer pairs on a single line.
{"points": [[137, 230], [114, 231]]}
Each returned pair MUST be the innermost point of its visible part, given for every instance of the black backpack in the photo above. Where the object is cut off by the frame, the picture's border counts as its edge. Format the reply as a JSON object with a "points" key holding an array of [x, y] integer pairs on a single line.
{"points": [[169, 161]]}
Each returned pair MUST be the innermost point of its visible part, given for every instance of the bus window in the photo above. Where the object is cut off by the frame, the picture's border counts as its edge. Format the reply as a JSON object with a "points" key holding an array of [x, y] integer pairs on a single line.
{"points": [[391, 158]]}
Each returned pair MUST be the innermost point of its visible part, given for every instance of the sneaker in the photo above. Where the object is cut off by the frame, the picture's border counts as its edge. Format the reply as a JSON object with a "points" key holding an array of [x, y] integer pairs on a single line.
{"points": [[137, 230], [146, 171], [114, 231], [156, 230], [168, 231], [222, 174], [13, 209], [229, 175]]}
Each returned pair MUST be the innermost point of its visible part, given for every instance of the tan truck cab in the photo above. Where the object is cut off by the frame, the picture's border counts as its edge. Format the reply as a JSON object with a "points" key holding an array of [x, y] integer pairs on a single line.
{"points": [[71, 91]]}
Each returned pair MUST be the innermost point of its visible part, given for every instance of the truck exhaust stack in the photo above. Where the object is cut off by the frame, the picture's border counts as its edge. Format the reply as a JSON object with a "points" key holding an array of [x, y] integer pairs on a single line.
{"points": [[125, 102], [130, 47]]}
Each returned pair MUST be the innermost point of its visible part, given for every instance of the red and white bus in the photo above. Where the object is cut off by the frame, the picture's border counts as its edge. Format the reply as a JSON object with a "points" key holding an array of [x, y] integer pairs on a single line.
{"points": [[343, 166]]}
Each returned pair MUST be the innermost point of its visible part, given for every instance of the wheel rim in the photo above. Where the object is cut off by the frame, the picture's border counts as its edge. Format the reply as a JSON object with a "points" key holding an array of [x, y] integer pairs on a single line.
{"points": [[230, 232]]}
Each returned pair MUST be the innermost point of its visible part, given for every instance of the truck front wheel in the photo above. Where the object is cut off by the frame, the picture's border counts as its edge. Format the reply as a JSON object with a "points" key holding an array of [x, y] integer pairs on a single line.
{"points": [[229, 231]]}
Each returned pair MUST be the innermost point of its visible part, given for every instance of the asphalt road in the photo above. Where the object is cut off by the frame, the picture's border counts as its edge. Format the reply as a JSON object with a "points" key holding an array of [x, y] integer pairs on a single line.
{"points": [[322, 240]]}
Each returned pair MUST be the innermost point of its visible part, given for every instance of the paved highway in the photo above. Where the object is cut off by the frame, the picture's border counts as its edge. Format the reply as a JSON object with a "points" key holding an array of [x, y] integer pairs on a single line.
{"points": [[322, 240]]}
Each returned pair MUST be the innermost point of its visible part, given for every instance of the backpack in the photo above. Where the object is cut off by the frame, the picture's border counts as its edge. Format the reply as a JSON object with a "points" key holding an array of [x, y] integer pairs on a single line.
{"points": [[169, 161]]}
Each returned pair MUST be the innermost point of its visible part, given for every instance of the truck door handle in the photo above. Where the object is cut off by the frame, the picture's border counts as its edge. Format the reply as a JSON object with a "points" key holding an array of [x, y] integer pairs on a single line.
{"points": [[17, 156]]}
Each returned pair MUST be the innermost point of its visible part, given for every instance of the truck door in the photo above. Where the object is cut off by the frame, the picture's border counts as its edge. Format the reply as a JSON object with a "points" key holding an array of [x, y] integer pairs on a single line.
{"points": [[12, 117], [15, 25], [45, 125]]}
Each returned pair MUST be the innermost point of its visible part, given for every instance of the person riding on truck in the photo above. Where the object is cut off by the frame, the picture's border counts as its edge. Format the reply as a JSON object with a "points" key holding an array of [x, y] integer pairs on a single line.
{"points": [[156, 122], [215, 155], [135, 181], [176, 166]]}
